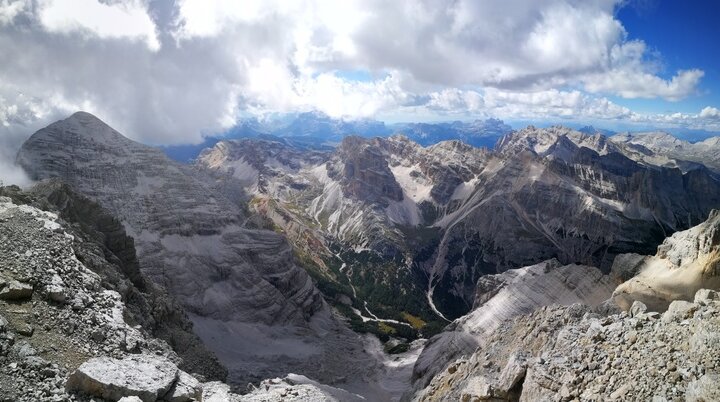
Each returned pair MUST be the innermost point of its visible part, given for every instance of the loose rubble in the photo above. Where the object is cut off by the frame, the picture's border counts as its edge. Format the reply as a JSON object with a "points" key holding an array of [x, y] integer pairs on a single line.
{"points": [[574, 353], [78, 345], [64, 336]]}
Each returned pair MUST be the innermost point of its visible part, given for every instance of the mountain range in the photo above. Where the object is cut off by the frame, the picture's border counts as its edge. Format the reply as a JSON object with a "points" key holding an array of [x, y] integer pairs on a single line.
{"points": [[317, 130], [427, 223], [376, 267], [235, 281]]}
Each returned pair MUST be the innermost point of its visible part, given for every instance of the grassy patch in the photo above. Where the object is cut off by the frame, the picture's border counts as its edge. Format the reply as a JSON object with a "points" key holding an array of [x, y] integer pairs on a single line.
{"points": [[416, 322], [386, 328]]}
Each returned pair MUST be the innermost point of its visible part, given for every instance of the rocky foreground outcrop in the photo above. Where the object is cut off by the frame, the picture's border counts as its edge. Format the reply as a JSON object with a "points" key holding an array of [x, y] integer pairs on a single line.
{"points": [[149, 378], [575, 353], [102, 245], [245, 292], [60, 314], [67, 334], [664, 350], [685, 262], [502, 297]]}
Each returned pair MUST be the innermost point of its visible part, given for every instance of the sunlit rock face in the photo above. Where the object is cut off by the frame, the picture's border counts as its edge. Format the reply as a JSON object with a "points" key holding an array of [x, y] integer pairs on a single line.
{"points": [[684, 263], [661, 147], [502, 297], [451, 213]]}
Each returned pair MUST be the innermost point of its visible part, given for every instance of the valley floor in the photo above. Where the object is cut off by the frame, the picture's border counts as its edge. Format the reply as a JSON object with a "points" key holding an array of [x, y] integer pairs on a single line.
{"points": [[325, 353]]}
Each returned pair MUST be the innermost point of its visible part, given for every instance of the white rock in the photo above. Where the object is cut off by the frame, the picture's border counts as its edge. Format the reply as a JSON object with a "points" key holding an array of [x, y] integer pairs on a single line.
{"points": [[217, 392], [477, 389], [513, 373], [637, 308], [703, 296], [706, 389], [147, 377], [679, 310], [186, 389]]}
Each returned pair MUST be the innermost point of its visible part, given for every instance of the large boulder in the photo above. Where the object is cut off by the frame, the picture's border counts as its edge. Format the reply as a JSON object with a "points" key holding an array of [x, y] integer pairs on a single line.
{"points": [[186, 389], [145, 376]]}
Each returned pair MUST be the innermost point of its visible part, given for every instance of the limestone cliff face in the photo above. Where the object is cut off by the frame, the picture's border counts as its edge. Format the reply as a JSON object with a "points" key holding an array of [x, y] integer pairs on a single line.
{"points": [[362, 170], [187, 236], [190, 238], [556, 193], [465, 212], [684, 263]]}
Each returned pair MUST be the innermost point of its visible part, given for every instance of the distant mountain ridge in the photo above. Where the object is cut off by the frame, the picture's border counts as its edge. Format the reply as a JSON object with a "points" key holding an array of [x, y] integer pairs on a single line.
{"points": [[317, 130], [706, 152]]}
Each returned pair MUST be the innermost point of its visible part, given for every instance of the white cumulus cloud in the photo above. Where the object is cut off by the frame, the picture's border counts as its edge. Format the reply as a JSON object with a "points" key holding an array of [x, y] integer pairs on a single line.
{"points": [[128, 19], [170, 72]]}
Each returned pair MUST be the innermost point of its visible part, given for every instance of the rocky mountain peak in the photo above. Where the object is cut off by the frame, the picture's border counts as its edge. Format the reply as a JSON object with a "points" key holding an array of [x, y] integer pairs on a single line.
{"points": [[711, 142], [362, 168], [399, 137], [455, 146], [662, 138], [84, 124], [556, 141], [661, 148], [536, 140], [193, 240]]}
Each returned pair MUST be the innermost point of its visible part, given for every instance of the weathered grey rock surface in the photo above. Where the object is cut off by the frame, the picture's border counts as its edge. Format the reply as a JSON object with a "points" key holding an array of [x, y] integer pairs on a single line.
{"points": [[43, 340], [187, 237], [236, 282], [502, 297], [684, 263], [147, 377], [574, 353], [89, 345], [103, 246]]}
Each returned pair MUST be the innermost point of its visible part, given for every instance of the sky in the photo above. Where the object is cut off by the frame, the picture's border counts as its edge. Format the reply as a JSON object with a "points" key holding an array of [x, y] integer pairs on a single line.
{"points": [[170, 72]]}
